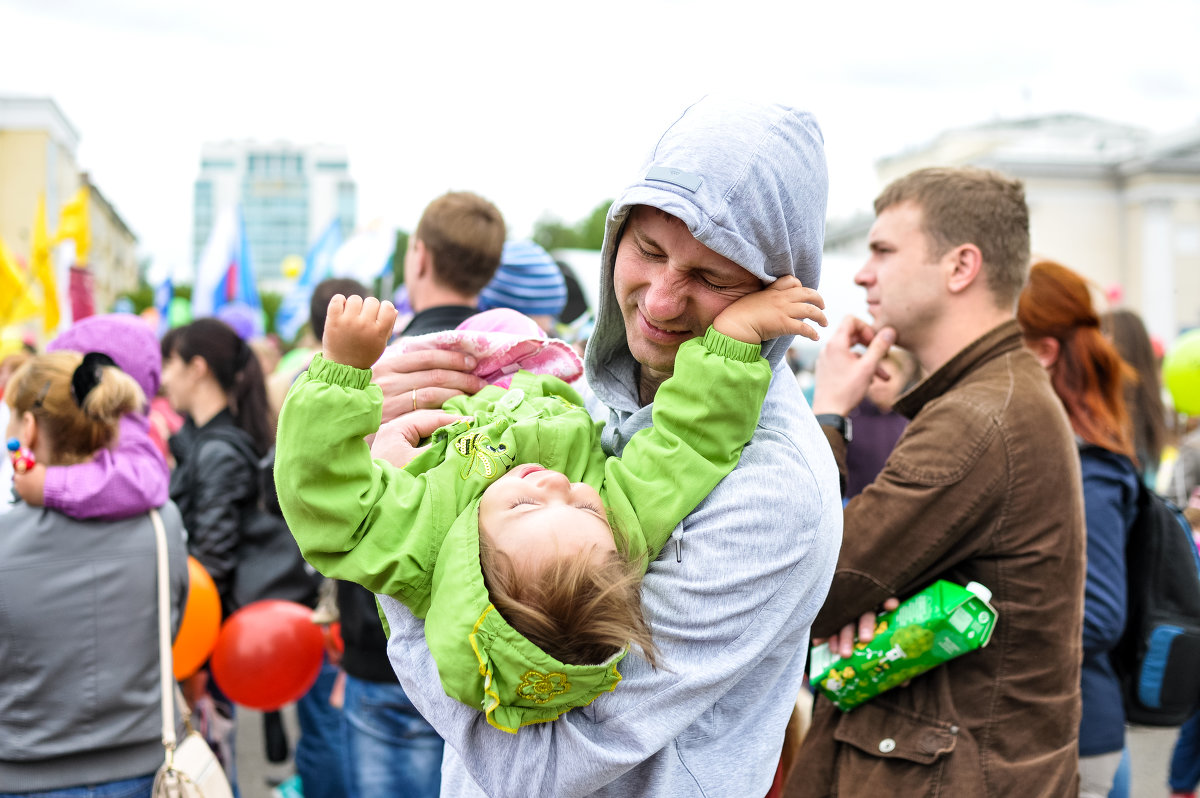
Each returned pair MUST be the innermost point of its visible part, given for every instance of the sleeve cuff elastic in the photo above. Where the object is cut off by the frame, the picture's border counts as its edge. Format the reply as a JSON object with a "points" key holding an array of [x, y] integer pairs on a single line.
{"points": [[338, 373], [731, 348]]}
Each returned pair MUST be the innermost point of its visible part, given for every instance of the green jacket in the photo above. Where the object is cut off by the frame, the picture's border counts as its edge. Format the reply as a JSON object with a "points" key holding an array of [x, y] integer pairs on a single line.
{"points": [[413, 533]]}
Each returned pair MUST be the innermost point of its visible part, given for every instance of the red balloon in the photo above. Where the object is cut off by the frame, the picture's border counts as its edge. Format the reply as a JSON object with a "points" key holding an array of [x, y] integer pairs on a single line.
{"points": [[268, 654]]}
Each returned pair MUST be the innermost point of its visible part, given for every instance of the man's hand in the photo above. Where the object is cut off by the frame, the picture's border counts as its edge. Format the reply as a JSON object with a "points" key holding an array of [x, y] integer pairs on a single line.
{"points": [[842, 374], [779, 309], [31, 486], [424, 379], [842, 644], [398, 441], [357, 330]]}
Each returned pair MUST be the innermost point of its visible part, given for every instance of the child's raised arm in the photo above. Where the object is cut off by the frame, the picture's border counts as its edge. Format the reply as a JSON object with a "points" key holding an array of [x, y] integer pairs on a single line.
{"points": [[779, 309], [357, 330]]}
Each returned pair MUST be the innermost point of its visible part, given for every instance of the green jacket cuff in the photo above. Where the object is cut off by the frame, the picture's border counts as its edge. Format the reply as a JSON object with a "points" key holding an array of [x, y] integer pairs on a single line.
{"points": [[731, 348], [338, 373]]}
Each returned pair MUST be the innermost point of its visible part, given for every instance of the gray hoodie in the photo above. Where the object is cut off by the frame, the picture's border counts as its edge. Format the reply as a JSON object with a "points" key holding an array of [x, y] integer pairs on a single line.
{"points": [[731, 598]]}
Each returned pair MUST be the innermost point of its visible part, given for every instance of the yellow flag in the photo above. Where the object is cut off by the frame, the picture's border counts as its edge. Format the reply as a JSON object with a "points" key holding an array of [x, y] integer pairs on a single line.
{"points": [[43, 269], [73, 224], [15, 302]]}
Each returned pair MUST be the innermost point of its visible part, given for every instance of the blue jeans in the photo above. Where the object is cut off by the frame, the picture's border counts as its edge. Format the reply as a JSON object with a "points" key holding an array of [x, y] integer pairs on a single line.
{"points": [[320, 751], [390, 749], [1185, 759], [1122, 782], [125, 788]]}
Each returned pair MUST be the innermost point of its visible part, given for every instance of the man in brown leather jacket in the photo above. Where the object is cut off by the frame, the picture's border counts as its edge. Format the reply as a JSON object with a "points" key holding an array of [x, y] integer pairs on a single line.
{"points": [[983, 486]]}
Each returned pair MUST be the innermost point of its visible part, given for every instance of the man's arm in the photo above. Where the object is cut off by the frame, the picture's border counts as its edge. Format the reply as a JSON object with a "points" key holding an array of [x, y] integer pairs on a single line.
{"points": [[910, 525], [121, 482], [752, 568]]}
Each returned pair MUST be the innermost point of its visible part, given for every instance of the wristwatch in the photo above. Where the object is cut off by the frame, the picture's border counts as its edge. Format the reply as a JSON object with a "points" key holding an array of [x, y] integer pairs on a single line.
{"points": [[840, 423]]}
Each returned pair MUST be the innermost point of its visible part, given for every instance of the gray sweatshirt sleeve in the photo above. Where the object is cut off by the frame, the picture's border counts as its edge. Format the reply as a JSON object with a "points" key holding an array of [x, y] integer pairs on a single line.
{"points": [[730, 601]]}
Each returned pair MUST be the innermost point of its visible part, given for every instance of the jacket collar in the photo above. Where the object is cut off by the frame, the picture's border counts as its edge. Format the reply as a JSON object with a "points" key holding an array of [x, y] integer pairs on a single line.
{"points": [[998, 341]]}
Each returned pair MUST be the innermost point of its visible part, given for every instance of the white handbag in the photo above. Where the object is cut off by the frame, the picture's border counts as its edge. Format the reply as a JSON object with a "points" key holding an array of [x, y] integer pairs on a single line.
{"points": [[190, 769]]}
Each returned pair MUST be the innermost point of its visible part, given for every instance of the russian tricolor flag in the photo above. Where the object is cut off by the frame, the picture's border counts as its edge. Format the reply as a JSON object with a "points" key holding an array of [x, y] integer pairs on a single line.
{"points": [[224, 274]]}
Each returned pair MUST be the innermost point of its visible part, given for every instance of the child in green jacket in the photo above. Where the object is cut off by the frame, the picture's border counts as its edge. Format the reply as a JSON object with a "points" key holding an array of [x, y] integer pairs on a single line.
{"points": [[513, 535]]}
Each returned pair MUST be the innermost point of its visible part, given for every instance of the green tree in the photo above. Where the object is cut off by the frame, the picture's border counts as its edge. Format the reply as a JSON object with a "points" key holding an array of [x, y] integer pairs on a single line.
{"points": [[587, 233]]}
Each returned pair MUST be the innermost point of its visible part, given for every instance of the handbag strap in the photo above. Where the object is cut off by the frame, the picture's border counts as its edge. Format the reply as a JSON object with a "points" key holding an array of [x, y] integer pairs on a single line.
{"points": [[165, 676]]}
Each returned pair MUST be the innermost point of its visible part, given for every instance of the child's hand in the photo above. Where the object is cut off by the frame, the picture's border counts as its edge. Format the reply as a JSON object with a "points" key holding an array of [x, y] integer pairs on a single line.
{"points": [[31, 485], [357, 330], [778, 309]]}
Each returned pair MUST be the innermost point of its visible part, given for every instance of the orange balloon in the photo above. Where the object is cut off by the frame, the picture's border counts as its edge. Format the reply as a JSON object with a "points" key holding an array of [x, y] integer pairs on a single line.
{"points": [[201, 622]]}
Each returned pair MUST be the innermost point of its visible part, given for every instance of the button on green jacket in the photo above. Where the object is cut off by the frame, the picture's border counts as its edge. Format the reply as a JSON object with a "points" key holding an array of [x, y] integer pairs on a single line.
{"points": [[413, 533]]}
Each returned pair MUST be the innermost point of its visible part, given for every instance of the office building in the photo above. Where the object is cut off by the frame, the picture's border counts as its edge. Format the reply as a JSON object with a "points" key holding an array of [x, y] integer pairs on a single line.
{"points": [[288, 193]]}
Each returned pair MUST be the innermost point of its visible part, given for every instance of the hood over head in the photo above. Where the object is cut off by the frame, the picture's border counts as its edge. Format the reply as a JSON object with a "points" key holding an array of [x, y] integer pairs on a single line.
{"points": [[127, 339], [749, 181]]}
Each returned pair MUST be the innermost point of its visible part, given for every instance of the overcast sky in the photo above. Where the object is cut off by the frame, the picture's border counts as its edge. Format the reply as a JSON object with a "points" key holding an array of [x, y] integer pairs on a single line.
{"points": [[550, 107]]}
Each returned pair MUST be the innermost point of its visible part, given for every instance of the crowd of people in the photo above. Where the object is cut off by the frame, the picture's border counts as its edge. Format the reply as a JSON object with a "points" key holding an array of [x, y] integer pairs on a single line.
{"points": [[558, 576]]}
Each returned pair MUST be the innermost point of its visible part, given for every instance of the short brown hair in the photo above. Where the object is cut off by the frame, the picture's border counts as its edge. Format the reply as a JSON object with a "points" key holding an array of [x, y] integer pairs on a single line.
{"points": [[574, 609], [75, 431], [464, 234], [965, 205]]}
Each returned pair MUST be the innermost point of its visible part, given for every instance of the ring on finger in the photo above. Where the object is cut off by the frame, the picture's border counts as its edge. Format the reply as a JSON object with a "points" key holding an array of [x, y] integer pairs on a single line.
{"points": [[414, 398]]}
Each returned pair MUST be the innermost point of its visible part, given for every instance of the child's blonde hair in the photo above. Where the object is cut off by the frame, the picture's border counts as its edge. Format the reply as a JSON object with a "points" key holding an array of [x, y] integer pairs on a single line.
{"points": [[576, 610], [74, 427]]}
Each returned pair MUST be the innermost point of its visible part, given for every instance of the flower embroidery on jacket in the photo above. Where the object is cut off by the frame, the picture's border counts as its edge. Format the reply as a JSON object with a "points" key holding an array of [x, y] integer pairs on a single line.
{"points": [[482, 455], [541, 687]]}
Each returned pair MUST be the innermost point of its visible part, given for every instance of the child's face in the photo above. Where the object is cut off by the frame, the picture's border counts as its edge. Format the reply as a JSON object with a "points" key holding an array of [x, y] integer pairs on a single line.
{"points": [[531, 514]]}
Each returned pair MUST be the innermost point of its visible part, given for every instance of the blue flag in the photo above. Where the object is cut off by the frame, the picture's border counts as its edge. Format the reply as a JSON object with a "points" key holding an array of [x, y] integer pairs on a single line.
{"points": [[318, 264]]}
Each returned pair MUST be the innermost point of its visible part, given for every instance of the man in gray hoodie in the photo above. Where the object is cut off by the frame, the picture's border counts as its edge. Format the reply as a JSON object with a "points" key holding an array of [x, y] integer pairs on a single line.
{"points": [[732, 198]]}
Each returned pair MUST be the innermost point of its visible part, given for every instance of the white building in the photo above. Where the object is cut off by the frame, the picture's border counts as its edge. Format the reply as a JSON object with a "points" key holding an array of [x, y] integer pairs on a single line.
{"points": [[1114, 202]]}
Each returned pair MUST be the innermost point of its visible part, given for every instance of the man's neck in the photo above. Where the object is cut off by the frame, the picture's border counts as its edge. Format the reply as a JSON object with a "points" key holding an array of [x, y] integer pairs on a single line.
{"points": [[433, 295], [648, 382], [955, 331]]}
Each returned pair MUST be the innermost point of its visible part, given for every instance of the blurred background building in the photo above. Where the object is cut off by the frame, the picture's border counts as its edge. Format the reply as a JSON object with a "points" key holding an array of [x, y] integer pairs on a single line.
{"points": [[1112, 201], [288, 195], [38, 146]]}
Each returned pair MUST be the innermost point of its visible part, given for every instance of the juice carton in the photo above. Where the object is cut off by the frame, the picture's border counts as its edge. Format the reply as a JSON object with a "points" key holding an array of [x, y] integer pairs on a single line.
{"points": [[941, 622]]}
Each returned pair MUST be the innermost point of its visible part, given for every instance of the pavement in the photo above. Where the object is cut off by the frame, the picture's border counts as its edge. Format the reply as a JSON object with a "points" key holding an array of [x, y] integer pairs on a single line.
{"points": [[1150, 750]]}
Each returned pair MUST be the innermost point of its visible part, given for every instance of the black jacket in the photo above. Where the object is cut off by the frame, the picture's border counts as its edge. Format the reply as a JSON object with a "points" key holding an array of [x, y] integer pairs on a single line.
{"points": [[214, 483]]}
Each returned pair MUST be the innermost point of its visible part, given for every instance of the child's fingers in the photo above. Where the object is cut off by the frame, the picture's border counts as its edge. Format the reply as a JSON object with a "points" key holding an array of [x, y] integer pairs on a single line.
{"points": [[806, 331], [337, 306], [811, 313], [387, 315], [354, 306]]}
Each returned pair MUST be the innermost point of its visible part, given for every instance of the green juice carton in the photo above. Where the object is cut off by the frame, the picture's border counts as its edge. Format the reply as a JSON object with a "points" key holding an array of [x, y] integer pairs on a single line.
{"points": [[941, 622]]}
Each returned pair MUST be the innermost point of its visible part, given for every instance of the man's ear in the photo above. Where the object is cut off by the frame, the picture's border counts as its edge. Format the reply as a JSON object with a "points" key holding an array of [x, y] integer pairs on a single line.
{"points": [[966, 266], [418, 259]]}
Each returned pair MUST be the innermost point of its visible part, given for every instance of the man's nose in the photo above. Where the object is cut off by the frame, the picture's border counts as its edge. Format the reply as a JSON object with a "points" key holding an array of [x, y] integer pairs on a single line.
{"points": [[864, 276], [666, 295]]}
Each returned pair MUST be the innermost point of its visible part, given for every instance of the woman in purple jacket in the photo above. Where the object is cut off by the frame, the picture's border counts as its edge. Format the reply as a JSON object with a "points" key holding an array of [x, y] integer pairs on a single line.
{"points": [[131, 477], [1062, 329]]}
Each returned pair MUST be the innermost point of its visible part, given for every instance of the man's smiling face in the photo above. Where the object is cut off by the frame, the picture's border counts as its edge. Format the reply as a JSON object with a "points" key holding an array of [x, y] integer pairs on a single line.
{"points": [[670, 287]]}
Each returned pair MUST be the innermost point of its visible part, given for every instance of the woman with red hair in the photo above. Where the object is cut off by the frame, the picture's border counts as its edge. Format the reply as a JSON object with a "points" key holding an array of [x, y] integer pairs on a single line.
{"points": [[1062, 329]]}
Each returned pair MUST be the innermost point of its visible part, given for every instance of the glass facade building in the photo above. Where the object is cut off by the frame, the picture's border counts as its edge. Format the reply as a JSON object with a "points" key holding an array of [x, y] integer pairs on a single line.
{"points": [[288, 194]]}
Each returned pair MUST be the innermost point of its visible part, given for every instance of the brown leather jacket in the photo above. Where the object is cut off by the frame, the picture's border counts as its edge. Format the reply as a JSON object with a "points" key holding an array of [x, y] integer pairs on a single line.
{"points": [[983, 486]]}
